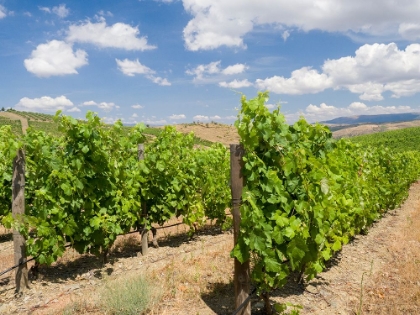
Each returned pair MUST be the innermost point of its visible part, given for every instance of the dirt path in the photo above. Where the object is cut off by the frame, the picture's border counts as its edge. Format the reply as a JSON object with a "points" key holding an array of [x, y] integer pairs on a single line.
{"points": [[197, 275], [13, 116]]}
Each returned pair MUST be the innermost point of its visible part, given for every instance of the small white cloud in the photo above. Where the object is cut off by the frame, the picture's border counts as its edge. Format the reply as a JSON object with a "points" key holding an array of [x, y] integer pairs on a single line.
{"points": [[73, 109], [118, 35], [216, 117], [55, 58], [176, 117], [61, 10], [44, 103], [201, 117], [160, 81], [235, 69], [357, 106], [235, 84], [133, 67], [103, 105], [214, 68], [45, 9], [137, 106], [105, 13], [285, 35], [3, 12], [134, 115], [29, 14]]}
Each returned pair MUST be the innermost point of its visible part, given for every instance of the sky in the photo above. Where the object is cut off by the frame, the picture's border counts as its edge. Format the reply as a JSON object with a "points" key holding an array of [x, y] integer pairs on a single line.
{"points": [[171, 61]]}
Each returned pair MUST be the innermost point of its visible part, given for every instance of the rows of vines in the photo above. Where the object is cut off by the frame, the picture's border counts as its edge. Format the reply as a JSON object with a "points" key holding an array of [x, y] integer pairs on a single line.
{"points": [[306, 195], [87, 185]]}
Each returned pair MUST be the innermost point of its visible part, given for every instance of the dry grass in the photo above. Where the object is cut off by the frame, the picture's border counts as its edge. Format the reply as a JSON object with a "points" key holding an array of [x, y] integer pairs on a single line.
{"points": [[396, 289]]}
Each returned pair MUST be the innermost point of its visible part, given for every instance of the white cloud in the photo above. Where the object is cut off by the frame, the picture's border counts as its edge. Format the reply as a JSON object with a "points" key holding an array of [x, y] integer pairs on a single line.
{"points": [[214, 68], [216, 117], [61, 11], [235, 84], [45, 9], [134, 115], [235, 69], [137, 106], [103, 105], [323, 112], [201, 117], [44, 103], [285, 35], [118, 35], [373, 70], [3, 12], [302, 81], [176, 117], [132, 67], [218, 23], [55, 58], [160, 81], [105, 13], [73, 109]]}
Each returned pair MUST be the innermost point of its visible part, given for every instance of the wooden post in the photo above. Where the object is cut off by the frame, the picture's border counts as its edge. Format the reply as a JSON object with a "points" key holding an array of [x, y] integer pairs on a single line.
{"points": [[18, 210], [145, 231], [242, 274]]}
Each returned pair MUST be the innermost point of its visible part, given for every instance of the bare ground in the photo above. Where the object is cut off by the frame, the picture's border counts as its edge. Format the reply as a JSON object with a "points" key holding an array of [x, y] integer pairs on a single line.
{"points": [[14, 116], [376, 273]]}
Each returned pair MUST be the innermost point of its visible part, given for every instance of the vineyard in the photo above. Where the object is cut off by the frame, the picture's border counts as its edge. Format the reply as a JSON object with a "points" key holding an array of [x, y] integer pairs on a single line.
{"points": [[305, 194], [397, 140]]}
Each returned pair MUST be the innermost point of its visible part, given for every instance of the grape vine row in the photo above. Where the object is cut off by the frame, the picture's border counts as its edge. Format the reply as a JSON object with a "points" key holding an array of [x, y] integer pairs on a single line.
{"points": [[306, 195], [86, 186]]}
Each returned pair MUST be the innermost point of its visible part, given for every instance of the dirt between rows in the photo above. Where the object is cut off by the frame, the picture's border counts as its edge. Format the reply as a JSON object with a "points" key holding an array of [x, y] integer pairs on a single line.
{"points": [[197, 274]]}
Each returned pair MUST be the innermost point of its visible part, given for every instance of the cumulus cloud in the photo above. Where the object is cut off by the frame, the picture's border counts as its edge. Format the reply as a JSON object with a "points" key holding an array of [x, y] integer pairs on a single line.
{"points": [[313, 113], [118, 35], [176, 117], [201, 117], [214, 68], [373, 70], [3, 12], [235, 84], [137, 106], [102, 105], [73, 110], [55, 58], [302, 81], [234, 69], [44, 103], [133, 67], [225, 23]]}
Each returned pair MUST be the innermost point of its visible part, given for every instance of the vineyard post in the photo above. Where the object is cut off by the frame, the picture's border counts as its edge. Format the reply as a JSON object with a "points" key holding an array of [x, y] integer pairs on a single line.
{"points": [[241, 271], [18, 210], [145, 231]]}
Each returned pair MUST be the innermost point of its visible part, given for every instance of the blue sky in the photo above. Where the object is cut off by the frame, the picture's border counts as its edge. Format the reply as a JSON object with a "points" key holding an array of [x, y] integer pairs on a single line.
{"points": [[166, 62]]}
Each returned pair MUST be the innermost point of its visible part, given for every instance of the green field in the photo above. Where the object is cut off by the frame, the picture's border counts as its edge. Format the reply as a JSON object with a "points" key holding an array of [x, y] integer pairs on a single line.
{"points": [[400, 140]]}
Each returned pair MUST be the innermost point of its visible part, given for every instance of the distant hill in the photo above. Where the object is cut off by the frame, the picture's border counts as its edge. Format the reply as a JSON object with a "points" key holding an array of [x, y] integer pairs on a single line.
{"points": [[372, 119]]}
